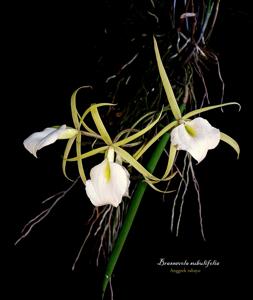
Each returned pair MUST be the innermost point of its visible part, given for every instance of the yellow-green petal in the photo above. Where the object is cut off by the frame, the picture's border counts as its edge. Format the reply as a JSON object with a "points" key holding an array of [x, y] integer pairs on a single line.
{"points": [[135, 164], [100, 125], [89, 153], [147, 115], [200, 110], [162, 179], [124, 132], [79, 159], [138, 134], [74, 111], [171, 159], [141, 151], [231, 142], [157, 189], [65, 156], [166, 84], [87, 111]]}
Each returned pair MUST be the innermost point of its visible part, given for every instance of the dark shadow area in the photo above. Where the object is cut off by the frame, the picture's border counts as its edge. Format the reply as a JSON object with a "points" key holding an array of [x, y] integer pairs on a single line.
{"points": [[49, 52]]}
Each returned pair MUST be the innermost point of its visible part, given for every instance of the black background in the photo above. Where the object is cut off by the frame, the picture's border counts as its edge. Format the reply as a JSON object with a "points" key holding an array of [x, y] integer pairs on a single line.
{"points": [[49, 51]]}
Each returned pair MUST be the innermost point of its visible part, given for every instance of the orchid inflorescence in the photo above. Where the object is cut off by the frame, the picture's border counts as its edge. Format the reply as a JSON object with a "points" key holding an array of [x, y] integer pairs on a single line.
{"points": [[109, 181]]}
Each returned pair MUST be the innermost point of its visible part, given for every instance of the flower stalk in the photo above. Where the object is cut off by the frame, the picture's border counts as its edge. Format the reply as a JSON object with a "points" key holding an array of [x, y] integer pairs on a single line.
{"points": [[131, 213]]}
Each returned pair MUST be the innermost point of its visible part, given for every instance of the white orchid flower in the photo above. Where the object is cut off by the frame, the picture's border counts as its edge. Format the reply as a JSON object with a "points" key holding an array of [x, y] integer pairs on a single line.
{"points": [[108, 183], [48, 136], [196, 137]]}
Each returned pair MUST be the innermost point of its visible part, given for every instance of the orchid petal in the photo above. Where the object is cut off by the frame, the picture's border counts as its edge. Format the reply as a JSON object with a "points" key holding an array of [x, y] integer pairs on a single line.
{"points": [[88, 110], [48, 136], [166, 84], [135, 164], [103, 190], [143, 149], [157, 189], [89, 153], [172, 155], [65, 156], [138, 134], [79, 159], [74, 111], [207, 108], [231, 142], [197, 142], [100, 125]]}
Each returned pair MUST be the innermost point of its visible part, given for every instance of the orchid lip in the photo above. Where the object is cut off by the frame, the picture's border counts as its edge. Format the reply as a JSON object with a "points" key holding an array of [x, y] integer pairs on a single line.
{"points": [[48, 136], [108, 184], [196, 137]]}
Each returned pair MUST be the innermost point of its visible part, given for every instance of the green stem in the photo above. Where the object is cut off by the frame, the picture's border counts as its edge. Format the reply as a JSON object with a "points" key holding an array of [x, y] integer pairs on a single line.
{"points": [[136, 200]]}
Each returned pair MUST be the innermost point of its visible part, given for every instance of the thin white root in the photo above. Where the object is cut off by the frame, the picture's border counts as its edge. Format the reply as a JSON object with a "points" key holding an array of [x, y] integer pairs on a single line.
{"points": [[42, 215]]}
